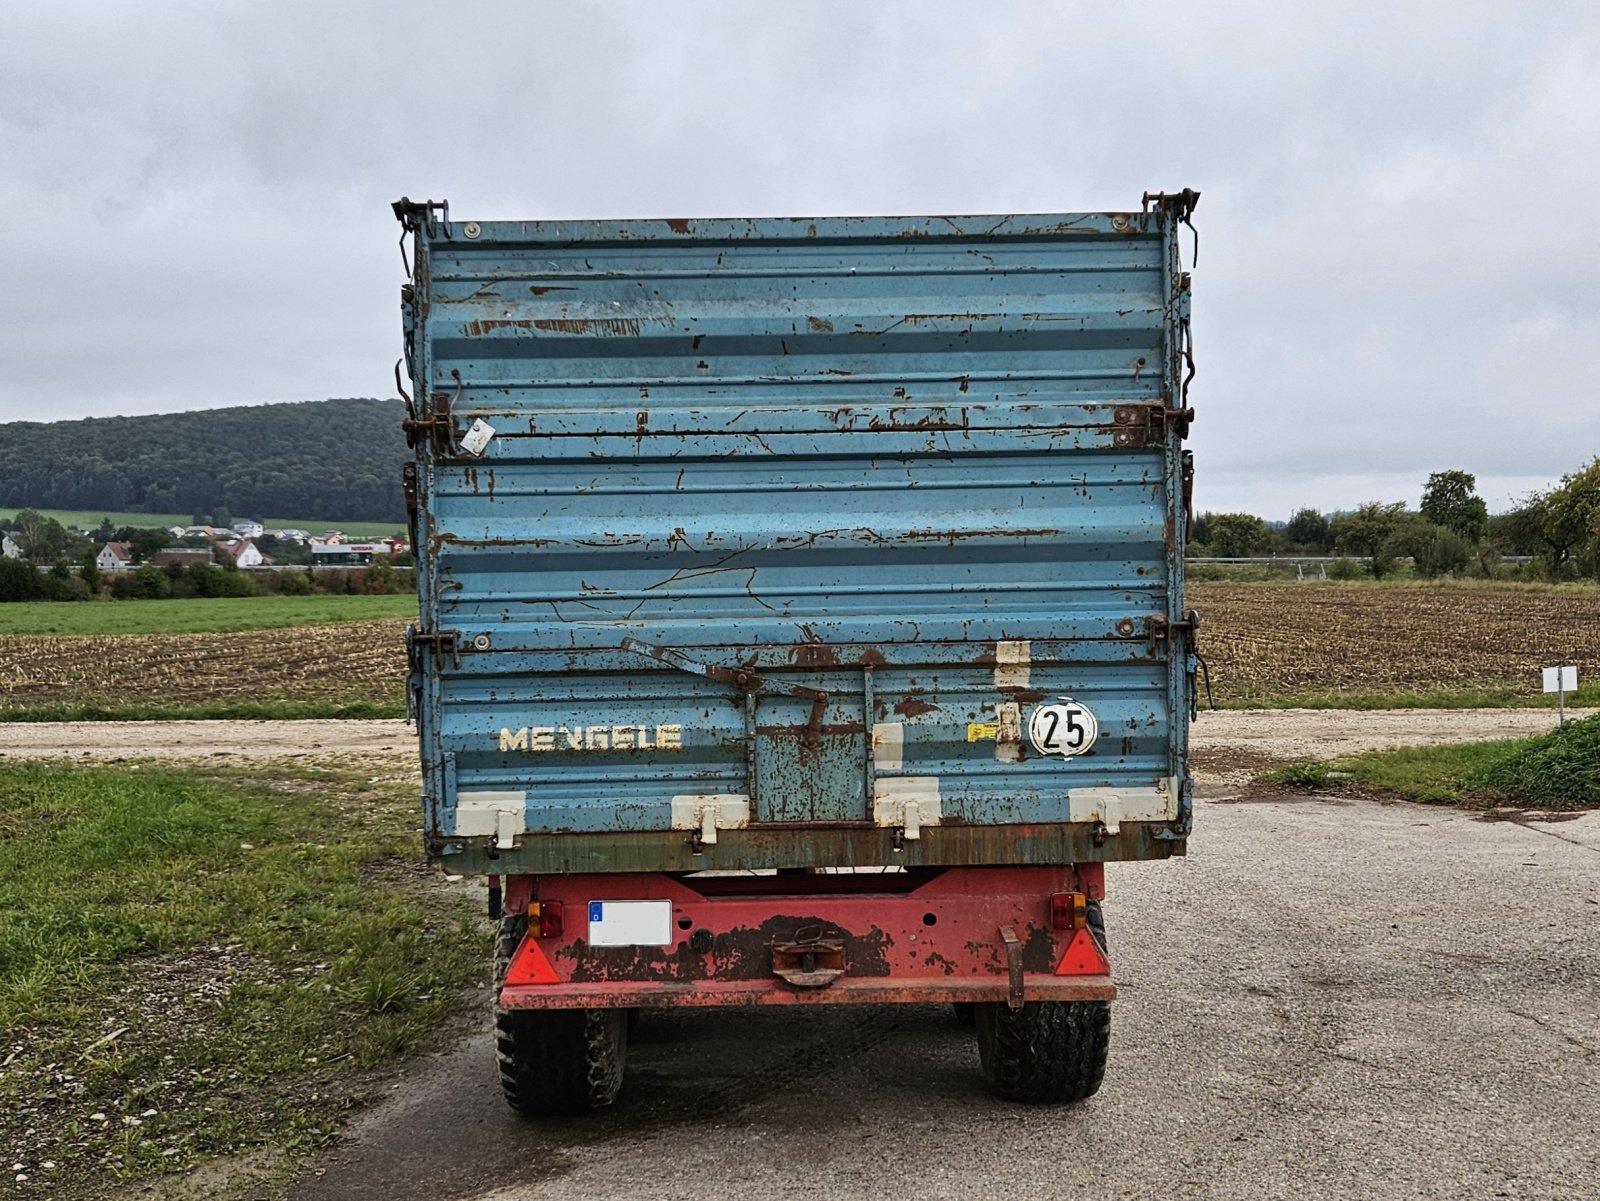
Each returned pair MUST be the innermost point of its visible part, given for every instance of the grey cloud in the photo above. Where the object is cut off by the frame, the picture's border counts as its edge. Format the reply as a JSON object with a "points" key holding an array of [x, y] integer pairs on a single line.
{"points": [[1396, 273]]}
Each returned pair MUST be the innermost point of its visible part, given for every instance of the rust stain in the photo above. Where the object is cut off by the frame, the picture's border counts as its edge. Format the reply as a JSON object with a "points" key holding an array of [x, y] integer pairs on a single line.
{"points": [[820, 325], [914, 707], [677, 225]]}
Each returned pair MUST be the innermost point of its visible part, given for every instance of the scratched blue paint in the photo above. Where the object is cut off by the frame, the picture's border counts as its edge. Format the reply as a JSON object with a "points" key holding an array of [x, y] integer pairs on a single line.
{"points": [[849, 456]]}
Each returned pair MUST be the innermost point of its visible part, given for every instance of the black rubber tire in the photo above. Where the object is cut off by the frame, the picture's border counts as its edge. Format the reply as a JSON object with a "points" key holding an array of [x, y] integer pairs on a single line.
{"points": [[555, 1061], [966, 1012], [1048, 1052]]}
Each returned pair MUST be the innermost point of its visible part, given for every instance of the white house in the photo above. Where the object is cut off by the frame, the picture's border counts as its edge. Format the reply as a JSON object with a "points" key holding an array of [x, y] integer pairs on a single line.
{"points": [[243, 552], [9, 548], [115, 556], [249, 529]]}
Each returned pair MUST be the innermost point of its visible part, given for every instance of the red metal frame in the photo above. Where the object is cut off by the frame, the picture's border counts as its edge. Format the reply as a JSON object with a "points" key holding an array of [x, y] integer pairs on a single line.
{"points": [[962, 934]]}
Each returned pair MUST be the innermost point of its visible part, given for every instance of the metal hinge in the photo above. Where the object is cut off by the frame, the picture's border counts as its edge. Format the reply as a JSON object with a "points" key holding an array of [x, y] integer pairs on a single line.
{"points": [[1149, 424], [441, 642]]}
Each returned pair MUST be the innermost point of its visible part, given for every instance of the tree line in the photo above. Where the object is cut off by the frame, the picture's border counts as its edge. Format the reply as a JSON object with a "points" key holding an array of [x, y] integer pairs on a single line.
{"points": [[325, 459], [1450, 533]]}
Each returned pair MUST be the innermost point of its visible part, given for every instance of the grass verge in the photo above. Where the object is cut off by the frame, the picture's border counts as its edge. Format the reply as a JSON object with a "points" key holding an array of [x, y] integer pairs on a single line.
{"points": [[258, 710], [197, 615], [195, 964], [1558, 770], [1488, 696]]}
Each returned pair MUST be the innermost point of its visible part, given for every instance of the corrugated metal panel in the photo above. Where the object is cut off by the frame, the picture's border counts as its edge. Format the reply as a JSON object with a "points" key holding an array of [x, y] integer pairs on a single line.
{"points": [[801, 516]]}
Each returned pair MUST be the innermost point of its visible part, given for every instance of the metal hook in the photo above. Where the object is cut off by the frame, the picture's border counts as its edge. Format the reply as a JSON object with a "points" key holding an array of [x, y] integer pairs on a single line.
{"points": [[411, 408]]}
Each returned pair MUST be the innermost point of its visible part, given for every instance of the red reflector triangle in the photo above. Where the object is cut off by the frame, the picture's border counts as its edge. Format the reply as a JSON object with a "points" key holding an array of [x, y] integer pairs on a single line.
{"points": [[1084, 957], [530, 966]]}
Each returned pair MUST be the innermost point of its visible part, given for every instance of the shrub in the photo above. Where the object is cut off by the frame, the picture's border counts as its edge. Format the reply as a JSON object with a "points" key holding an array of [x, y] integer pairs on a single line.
{"points": [[1560, 770], [1345, 569]]}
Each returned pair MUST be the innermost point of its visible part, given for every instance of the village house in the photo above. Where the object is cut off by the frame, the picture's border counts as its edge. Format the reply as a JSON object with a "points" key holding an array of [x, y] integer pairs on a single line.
{"points": [[115, 556], [243, 552], [181, 555], [9, 547], [249, 529]]}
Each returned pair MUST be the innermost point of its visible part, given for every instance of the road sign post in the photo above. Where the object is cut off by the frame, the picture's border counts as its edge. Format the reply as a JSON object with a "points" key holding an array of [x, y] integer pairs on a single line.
{"points": [[1561, 680]]}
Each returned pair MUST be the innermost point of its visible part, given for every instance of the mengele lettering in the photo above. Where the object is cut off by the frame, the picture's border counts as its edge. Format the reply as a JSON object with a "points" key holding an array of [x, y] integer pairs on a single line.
{"points": [[665, 737]]}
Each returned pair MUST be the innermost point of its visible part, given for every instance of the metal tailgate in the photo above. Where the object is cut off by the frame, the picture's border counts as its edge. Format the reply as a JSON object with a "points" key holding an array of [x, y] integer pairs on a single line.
{"points": [[789, 536]]}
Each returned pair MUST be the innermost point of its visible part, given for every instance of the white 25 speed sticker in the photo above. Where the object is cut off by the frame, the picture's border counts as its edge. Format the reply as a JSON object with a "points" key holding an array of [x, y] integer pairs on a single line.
{"points": [[1063, 728]]}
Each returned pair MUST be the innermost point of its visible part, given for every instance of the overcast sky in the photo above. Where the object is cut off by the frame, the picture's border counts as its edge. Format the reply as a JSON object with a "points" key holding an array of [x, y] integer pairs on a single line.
{"points": [[1399, 269]]}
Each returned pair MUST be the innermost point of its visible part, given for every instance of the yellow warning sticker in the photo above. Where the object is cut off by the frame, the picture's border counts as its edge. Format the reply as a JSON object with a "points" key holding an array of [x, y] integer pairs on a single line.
{"points": [[980, 731]]}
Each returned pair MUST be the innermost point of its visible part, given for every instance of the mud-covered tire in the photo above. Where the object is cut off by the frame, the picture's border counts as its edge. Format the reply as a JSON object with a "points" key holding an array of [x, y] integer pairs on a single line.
{"points": [[555, 1061], [1047, 1052], [966, 1013]]}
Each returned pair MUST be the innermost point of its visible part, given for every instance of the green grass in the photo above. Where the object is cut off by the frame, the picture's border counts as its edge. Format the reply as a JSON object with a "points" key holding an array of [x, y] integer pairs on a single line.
{"points": [[89, 519], [208, 961], [1558, 770], [197, 615], [274, 709], [1500, 696]]}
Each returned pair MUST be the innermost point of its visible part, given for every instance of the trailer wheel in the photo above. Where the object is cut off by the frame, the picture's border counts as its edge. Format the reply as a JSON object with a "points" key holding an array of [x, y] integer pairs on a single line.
{"points": [[1047, 1052], [555, 1061], [966, 1013]]}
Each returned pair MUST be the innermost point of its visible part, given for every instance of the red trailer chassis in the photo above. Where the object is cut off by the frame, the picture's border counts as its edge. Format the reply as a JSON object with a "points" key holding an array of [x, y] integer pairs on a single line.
{"points": [[978, 934]]}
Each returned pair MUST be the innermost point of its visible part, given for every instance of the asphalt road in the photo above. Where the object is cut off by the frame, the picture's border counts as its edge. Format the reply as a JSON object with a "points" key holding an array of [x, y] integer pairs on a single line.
{"points": [[1325, 999]]}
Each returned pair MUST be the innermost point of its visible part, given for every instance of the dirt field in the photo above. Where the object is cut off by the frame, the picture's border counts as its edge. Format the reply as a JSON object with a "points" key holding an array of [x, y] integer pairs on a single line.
{"points": [[1269, 640], [1264, 642]]}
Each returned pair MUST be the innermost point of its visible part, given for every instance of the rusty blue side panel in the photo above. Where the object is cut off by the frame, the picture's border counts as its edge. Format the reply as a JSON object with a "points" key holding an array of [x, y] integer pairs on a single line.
{"points": [[786, 536]]}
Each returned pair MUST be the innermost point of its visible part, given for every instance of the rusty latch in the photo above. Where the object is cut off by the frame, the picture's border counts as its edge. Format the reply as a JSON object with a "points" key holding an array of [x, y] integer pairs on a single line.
{"points": [[815, 963], [1013, 967], [1160, 627], [1148, 424]]}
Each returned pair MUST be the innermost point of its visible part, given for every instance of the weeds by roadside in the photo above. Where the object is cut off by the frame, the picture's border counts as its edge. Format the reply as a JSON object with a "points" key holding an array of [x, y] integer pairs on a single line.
{"points": [[202, 963], [1558, 770]]}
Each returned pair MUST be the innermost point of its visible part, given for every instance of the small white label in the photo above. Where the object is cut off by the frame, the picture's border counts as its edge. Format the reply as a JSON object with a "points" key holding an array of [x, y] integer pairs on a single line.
{"points": [[479, 436], [1561, 679], [1064, 728], [630, 923]]}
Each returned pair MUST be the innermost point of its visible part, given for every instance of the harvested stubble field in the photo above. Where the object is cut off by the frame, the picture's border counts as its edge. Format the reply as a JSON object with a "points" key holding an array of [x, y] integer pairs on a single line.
{"points": [[353, 667], [1276, 642], [1266, 644]]}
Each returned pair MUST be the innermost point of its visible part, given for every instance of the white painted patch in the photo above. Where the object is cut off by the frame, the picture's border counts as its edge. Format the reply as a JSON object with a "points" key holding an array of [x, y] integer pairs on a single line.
{"points": [[1113, 806], [1008, 736], [630, 923], [1012, 664], [479, 436], [710, 812], [907, 801], [500, 814], [888, 745]]}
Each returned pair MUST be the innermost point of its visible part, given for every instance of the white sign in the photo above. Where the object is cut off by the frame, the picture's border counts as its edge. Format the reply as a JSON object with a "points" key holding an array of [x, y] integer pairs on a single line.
{"points": [[1561, 679], [479, 436], [1064, 728]]}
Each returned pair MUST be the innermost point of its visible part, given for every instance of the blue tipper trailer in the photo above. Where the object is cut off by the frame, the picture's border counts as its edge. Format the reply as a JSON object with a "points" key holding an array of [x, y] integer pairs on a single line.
{"points": [[801, 614]]}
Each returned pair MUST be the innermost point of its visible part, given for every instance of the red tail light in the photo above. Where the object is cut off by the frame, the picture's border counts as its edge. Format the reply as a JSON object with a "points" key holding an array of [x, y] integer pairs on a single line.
{"points": [[1069, 910], [550, 923]]}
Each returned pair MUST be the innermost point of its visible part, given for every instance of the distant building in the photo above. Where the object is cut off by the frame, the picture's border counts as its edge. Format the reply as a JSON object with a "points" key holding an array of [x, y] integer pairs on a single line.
{"points": [[115, 556], [9, 548], [243, 552], [205, 531], [181, 555], [175, 530], [348, 554], [300, 537], [249, 529]]}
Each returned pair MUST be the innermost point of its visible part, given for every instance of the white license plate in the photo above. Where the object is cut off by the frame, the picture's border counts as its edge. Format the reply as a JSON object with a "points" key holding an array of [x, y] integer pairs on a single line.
{"points": [[630, 923]]}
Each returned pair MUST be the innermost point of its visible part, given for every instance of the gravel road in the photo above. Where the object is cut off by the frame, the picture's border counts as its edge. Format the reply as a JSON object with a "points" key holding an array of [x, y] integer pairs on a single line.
{"points": [[1218, 736], [1326, 999]]}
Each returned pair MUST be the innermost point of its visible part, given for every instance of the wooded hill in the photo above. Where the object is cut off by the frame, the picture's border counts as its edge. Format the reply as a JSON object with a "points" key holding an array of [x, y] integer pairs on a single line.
{"points": [[318, 459]]}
